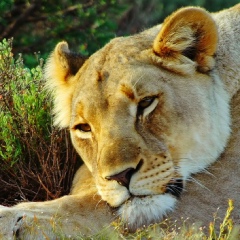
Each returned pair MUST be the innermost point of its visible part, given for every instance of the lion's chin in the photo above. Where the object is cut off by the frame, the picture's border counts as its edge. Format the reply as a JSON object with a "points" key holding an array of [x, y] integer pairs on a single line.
{"points": [[139, 212]]}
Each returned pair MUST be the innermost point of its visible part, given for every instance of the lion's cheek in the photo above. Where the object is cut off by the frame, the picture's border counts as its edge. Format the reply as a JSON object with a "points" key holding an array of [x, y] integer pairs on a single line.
{"points": [[87, 150], [150, 186], [152, 179]]}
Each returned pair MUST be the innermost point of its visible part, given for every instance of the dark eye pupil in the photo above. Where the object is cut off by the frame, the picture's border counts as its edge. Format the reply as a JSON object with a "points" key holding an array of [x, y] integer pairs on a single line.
{"points": [[146, 102], [83, 127]]}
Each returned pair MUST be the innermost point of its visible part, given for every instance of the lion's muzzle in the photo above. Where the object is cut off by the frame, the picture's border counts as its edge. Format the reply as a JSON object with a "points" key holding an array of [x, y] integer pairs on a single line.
{"points": [[175, 187]]}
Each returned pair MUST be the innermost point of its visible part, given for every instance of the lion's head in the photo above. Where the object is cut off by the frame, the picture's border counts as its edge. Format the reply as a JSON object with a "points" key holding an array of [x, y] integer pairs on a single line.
{"points": [[144, 112]]}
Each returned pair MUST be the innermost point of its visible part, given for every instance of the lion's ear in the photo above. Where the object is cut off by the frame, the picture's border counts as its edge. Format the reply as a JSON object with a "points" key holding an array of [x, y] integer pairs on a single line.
{"points": [[187, 39], [60, 70]]}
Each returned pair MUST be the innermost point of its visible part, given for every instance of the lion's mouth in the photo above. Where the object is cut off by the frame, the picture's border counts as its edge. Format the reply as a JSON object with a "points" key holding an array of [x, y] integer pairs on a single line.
{"points": [[174, 187]]}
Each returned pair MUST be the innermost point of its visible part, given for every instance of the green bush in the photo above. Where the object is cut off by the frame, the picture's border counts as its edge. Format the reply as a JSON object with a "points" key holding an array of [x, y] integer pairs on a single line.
{"points": [[23, 107], [34, 157]]}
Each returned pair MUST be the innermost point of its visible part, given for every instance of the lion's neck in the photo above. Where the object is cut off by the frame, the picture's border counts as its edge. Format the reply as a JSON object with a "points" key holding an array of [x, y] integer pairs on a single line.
{"points": [[228, 53]]}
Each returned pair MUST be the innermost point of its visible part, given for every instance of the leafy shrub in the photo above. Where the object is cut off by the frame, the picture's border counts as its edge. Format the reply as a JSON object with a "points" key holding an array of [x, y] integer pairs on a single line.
{"points": [[37, 161]]}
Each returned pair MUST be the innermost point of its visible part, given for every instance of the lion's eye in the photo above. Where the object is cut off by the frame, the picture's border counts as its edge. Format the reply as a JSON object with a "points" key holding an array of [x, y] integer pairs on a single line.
{"points": [[146, 105], [84, 127], [145, 102]]}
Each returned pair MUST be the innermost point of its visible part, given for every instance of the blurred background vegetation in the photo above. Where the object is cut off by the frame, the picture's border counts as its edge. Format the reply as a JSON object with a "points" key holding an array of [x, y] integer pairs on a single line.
{"points": [[87, 25], [37, 161]]}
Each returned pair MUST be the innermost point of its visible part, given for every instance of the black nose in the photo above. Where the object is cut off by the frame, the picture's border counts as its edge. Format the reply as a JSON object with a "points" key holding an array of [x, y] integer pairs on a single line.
{"points": [[123, 178]]}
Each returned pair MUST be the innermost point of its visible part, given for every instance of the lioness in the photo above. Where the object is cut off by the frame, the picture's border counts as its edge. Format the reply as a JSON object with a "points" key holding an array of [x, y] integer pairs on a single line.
{"points": [[145, 112]]}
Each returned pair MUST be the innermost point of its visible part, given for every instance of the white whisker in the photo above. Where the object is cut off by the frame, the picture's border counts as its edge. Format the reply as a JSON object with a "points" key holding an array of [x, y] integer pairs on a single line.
{"points": [[208, 173], [99, 203], [139, 79], [192, 179]]}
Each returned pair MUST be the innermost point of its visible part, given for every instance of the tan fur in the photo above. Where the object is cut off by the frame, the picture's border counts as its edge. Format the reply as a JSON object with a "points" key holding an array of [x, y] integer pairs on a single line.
{"points": [[156, 108]]}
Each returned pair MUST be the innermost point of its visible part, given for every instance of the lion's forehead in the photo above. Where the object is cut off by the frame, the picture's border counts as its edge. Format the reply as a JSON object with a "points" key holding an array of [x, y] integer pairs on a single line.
{"points": [[107, 75], [103, 88], [121, 52], [111, 89]]}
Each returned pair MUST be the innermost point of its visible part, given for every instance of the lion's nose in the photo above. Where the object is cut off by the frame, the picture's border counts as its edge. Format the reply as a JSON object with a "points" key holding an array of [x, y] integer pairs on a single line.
{"points": [[123, 178]]}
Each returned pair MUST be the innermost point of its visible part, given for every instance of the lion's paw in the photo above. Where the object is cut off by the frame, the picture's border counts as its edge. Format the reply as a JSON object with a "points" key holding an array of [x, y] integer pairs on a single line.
{"points": [[10, 222], [25, 222]]}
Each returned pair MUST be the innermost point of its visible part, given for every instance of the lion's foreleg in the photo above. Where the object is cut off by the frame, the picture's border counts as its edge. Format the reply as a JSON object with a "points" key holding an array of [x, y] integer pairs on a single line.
{"points": [[69, 216]]}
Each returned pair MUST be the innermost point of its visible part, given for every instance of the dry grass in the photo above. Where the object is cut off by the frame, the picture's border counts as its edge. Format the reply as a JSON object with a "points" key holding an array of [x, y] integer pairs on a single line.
{"points": [[165, 230]]}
